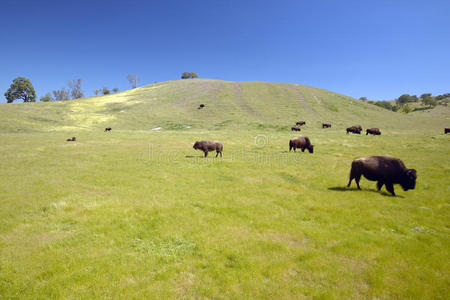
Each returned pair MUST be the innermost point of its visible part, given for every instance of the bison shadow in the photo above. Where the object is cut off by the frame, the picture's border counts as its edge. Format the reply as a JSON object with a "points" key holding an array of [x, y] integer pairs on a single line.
{"points": [[354, 189]]}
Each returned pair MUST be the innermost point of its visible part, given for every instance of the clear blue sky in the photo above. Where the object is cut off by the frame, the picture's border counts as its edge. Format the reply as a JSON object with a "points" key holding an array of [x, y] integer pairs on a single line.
{"points": [[378, 49]]}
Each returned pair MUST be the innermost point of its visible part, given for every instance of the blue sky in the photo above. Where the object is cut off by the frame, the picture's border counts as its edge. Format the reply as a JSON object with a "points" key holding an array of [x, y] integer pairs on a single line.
{"points": [[379, 49]]}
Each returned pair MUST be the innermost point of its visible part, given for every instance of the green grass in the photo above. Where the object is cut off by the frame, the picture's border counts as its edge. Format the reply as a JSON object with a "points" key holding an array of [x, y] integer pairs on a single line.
{"points": [[135, 213]]}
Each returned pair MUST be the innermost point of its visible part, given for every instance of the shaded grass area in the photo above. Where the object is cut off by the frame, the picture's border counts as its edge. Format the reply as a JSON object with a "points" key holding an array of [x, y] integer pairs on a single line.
{"points": [[131, 214]]}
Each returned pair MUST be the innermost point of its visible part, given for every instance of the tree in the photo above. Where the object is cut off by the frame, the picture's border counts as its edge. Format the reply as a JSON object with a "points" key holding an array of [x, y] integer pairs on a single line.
{"points": [[363, 98], [115, 90], [61, 95], [405, 98], [133, 79], [21, 88], [407, 109], [97, 91], [429, 101], [75, 86], [194, 75], [186, 75], [46, 98], [105, 91]]}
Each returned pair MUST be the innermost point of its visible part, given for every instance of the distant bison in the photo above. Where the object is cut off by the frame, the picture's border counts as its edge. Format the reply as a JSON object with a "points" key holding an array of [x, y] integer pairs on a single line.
{"points": [[73, 139], [108, 129], [384, 169], [201, 106], [374, 131], [300, 123], [326, 125], [295, 128], [206, 146], [446, 130], [301, 142], [354, 129], [358, 126]]}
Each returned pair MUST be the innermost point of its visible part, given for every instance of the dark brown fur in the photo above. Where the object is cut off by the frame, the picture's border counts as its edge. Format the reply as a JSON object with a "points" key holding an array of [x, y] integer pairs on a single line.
{"points": [[295, 128], [374, 131], [108, 129], [358, 126], [354, 129], [446, 130], [301, 142], [73, 139], [326, 125], [384, 169], [300, 123], [207, 146]]}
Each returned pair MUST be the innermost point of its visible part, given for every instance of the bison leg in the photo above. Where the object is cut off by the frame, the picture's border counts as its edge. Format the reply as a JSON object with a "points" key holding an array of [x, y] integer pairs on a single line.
{"points": [[206, 153], [379, 185], [303, 149], [390, 188]]}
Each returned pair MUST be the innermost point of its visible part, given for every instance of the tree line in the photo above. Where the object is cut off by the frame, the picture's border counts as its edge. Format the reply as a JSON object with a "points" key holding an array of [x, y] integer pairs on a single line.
{"points": [[427, 100]]}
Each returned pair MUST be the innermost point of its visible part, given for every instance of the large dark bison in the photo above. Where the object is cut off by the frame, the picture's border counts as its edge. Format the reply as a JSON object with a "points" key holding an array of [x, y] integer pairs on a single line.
{"points": [[108, 129], [295, 128], [300, 123], [326, 125], [374, 131], [446, 130], [201, 106], [384, 169], [358, 126], [206, 146], [73, 139], [353, 129], [301, 142]]}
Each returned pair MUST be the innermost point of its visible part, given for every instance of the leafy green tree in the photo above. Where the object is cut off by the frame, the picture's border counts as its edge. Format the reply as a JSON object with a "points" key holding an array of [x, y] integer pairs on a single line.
{"points": [[186, 75], [46, 98], [105, 91], [407, 109], [21, 88], [115, 90], [429, 101], [405, 98], [194, 75], [363, 98]]}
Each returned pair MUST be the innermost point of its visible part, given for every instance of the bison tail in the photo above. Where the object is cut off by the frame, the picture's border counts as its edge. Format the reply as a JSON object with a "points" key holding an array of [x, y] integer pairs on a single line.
{"points": [[290, 146]]}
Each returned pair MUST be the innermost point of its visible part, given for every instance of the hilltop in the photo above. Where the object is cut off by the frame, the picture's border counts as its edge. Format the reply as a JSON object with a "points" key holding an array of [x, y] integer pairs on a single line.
{"points": [[174, 105]]}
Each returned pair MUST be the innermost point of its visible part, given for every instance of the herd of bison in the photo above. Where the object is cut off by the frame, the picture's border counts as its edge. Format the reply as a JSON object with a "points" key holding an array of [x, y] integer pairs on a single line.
{"points": [[385, 170]]}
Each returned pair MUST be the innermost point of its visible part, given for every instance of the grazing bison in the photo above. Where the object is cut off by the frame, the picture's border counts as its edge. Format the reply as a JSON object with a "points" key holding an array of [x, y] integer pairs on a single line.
{"points": [[201, 106], [358, 126], [73, 139], [206, 146], [384, 169], [301, 142], [295, 128], [300, 123], [354, 129], [374, 131], [108, 129], [446, 130], [326, 125]]}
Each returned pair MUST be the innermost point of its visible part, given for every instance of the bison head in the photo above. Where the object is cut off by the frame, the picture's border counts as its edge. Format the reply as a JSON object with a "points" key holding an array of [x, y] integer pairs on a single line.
{"points": [[196, 146], [409, 180], [311, 148]]}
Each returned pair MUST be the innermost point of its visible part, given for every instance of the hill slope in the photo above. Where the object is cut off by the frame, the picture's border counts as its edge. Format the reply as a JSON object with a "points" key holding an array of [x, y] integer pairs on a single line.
{"points": [[174, 105]]}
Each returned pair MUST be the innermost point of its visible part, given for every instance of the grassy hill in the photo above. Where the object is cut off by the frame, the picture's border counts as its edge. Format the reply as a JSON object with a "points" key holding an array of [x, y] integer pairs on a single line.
{"points": [[138, 214], [173, 105]]}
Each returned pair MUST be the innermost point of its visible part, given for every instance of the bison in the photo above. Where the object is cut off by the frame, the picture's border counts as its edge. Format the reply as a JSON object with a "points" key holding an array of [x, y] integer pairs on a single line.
{"points": [[300, 123], [358, 126], [446, 130], [73, 139], [295, 128], [108, 129], [385, 170], [301, 142], [326, 125], [201, 106], [354, 129], [206, 146], [374, 131]]}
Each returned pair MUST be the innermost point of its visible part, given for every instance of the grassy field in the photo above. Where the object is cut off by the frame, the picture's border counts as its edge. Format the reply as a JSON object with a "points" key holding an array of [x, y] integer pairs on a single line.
{"points": [[135, 213]]}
